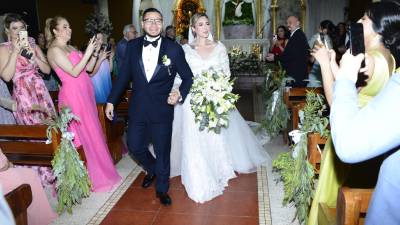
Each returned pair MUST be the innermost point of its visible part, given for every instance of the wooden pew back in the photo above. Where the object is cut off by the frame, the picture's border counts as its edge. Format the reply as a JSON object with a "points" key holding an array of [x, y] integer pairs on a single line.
{"points": [[23, 144], [352, 205], [19, 200]]}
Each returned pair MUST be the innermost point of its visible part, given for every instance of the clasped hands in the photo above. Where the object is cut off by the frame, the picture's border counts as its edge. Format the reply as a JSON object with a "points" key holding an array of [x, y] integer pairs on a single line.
{"points": [[174, 97]]}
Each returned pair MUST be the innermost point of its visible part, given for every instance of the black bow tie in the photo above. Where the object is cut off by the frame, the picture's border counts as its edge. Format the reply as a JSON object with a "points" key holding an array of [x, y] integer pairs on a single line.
{"points": [[154, 43]]}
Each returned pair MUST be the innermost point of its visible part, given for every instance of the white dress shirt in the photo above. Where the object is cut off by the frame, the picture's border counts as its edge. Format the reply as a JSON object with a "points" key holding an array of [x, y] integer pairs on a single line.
{"points": [[150, 57]]}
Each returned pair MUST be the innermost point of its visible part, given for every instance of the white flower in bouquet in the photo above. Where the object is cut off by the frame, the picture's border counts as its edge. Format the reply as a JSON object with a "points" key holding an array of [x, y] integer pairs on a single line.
{"points": [[212, 100]]}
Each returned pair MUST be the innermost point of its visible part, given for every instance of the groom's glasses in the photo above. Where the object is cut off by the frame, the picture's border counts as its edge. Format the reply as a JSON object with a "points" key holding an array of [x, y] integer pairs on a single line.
{"points": [[153, 21]]}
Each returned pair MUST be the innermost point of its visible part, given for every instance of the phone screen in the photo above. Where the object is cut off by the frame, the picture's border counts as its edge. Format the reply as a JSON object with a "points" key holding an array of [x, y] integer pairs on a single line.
{"points": [[23, 38], [356, 39]]}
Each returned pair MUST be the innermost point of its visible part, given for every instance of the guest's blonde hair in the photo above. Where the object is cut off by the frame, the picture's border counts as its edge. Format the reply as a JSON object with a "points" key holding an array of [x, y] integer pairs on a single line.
{"points": [[51, 24]]}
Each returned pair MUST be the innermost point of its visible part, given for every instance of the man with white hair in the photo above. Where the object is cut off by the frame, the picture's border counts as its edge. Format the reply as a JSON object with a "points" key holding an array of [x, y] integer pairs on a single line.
{"points": [[129, 34], [294, 58]]}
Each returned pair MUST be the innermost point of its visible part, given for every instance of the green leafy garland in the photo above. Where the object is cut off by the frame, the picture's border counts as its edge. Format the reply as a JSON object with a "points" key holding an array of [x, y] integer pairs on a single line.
{"points": [[242, 63], [277, 114], [72, 182], [296, 173]]}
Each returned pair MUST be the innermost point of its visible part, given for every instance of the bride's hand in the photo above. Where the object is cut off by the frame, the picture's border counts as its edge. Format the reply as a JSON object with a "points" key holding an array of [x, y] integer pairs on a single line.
{"points": [[173, 97]]}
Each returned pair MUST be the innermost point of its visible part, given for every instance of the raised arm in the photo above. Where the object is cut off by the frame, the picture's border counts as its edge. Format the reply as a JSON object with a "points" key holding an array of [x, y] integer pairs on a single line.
{"points": [[8, 61], [361, 134], [60, 59], [41, 60]]}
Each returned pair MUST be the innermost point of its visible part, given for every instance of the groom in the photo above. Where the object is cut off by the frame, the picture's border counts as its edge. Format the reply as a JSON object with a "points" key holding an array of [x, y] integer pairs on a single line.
{"points": [[152, 63]]}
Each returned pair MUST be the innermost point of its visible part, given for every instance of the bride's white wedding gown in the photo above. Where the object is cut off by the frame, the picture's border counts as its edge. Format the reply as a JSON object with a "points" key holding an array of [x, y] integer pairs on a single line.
{"points": [[205, 160]]}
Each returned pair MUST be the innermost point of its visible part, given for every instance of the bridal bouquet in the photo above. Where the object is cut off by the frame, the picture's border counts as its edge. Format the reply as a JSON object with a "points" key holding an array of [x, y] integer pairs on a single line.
{"points": [[212, 99]]}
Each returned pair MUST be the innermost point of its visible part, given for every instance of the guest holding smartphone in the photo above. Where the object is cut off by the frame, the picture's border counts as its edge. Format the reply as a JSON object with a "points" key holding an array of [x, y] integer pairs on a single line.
{"points": [[101, 75], [279, 40], [379, 23], [20, 61]]}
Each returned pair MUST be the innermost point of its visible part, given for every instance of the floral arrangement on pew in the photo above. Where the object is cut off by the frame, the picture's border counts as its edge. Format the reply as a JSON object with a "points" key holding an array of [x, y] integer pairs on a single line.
{"points": [[277, 114], [242, 63], [212, 100], [296, 173], [72, 183]]}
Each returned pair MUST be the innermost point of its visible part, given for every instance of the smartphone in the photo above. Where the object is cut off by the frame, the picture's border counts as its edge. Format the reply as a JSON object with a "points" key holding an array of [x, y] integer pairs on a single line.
{"points": [[23, 38], [322, 39], [106, 47], [275, 37], [356, 36]]}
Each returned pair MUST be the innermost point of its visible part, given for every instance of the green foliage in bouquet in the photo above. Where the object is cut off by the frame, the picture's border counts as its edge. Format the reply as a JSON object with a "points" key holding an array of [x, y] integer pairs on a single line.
{"points": [[211, 100], [296, 173], [72, 182], [98, 23], [231, 13], [277, 114]]}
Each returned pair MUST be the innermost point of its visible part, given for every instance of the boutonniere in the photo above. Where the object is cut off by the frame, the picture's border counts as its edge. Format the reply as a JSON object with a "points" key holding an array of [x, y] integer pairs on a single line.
{"points": [[167, 62]]}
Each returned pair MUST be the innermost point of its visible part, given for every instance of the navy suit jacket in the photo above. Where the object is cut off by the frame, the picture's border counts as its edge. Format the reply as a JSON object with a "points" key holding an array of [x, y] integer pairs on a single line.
{"points": [[294, 58], [149, 98]]}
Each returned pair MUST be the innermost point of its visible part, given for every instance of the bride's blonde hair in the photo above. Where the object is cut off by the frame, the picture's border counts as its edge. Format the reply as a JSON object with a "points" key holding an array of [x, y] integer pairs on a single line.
{"points": [[194, 20]]}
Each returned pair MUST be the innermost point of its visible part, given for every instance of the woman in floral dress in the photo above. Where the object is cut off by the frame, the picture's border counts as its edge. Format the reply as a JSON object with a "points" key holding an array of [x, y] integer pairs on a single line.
{"points": [[20, 62]]}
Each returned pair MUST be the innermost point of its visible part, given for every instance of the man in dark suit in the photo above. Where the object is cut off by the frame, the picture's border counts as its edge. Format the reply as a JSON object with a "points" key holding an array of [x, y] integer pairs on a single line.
{"points": [[152, 63], [294, 58]]}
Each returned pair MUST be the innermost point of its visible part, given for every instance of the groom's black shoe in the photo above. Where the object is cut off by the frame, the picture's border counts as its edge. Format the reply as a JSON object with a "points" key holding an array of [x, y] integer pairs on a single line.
{"points": [[148, 180], [164, 198]]}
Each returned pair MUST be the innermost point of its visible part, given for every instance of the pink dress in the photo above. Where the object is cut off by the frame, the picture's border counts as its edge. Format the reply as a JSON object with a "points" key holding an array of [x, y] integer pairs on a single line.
{"points": [[77, 93], [28, 90], [39, 211]]}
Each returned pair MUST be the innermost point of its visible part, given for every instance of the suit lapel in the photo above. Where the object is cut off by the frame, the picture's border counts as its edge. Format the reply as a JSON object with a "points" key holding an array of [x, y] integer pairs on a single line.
{"points": [[141, 58], [160, 55]]}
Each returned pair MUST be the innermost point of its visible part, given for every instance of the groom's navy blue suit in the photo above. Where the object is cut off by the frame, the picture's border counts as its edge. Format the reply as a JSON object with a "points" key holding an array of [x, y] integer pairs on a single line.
{"points": [[150, 116]]}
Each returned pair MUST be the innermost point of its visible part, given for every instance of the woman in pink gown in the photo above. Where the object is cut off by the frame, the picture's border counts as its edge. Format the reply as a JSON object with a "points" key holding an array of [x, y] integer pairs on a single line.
{"points": [[77, 93], [39, 211]]}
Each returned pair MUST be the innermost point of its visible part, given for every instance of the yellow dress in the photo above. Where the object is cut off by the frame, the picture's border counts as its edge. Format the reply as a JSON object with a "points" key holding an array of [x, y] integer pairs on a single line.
{"points": [[333, 172]]}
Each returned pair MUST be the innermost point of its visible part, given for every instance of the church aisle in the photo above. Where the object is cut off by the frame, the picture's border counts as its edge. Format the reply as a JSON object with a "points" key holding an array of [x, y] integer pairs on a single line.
{"points": [[238, 205]]}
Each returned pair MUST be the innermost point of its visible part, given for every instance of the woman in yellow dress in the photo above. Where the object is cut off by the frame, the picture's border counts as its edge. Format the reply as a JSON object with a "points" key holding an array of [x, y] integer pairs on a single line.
{"points": [[378, 31]]}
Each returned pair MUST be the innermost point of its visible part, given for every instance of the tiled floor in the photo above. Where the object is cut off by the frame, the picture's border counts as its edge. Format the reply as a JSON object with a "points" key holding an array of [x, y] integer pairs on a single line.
{"points": [[238, 205]]}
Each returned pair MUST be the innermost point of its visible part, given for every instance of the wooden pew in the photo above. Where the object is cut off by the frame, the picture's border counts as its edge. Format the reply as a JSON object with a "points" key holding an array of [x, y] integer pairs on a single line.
{"points": [[113, 132], [19, 200], [123, 107], [295, 99], [313, 153], [351, 207], [23, 144]]}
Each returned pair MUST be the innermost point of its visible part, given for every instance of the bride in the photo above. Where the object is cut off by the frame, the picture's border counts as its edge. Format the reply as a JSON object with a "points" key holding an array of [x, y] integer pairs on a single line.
{"points": [[207, 161]]}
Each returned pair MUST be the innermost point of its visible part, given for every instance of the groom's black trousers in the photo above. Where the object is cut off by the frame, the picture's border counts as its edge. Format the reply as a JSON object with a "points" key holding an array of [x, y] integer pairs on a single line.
{"points": [[140, 134]]}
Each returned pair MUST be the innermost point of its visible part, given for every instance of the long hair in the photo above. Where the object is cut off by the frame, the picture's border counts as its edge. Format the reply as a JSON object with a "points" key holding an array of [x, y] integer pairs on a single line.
{"points": [[51, 24], [385, 17], [194, 19]]}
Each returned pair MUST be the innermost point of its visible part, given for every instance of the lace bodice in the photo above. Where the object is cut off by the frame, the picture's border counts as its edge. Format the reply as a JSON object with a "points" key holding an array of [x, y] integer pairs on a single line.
{"points": [[218, 59]]}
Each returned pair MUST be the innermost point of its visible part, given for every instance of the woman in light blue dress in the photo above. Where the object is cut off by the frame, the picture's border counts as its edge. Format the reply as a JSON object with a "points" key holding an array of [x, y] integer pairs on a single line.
{"points": [[101, 76]]}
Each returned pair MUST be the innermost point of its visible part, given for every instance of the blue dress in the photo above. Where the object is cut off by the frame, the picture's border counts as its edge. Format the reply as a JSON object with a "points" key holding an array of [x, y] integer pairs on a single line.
{"points": [[102, 82]]}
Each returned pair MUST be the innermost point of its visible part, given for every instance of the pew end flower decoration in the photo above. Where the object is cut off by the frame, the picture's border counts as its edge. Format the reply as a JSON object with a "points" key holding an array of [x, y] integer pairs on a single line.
{"points": [[211, 100], [72, 182]]}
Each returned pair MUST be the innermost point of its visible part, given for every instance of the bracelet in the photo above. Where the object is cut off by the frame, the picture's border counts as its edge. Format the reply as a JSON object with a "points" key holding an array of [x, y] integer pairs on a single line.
{"points": [[95, 55]]}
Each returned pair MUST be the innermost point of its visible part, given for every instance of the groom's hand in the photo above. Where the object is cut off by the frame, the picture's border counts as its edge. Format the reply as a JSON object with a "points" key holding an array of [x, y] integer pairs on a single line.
{"points": [[109, 111], [174, 97]]}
